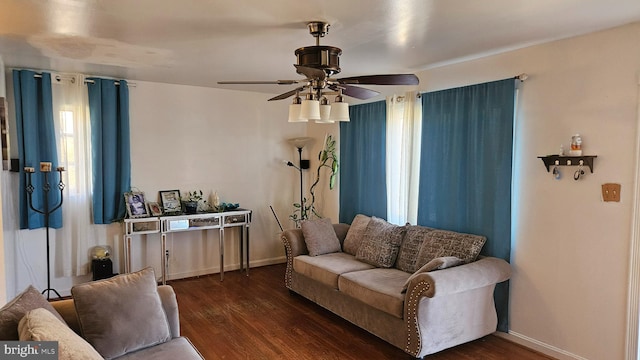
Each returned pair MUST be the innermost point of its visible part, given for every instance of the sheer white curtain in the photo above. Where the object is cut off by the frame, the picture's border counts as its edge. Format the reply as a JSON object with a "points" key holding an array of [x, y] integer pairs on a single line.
{"points": [[78, 235], [404, 129]]}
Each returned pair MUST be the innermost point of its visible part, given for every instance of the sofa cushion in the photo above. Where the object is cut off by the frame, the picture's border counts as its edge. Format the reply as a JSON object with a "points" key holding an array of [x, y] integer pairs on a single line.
{"points": [[320, 237], [42, 325], [355, 234], [435, 264], [121, 314], [441, 243], [14, 310], [178, 348], [379, 288], [381, 243], [327, 268], [408, 254]]}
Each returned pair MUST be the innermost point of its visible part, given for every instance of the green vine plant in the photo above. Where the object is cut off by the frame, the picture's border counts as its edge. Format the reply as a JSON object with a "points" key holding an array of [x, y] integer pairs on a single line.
{"points": [[327, 159]]}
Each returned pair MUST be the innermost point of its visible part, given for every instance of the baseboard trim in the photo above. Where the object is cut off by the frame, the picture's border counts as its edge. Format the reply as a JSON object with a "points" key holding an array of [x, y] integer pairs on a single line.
{"points": [[231, 267], [538, 346]]}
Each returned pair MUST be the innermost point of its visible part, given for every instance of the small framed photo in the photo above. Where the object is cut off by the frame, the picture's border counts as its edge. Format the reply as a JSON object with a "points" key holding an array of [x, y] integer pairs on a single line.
{"points": [[154, 209], [171, 202], [136, 205]]}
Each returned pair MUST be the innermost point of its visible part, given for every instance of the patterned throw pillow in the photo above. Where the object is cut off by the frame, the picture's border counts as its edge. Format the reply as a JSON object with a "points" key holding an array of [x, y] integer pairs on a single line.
{"points": [[320, 237], [381, 243], [441, 243], [408, 255], [355, 234]]}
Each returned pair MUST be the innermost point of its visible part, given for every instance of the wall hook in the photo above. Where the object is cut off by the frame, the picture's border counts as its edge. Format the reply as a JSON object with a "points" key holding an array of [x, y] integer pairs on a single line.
{"points": [[578, 173]]}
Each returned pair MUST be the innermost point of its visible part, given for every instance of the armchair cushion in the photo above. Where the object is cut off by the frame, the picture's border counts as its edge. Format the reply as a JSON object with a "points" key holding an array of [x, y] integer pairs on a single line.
{"points": [[121, 314], [41, 325], [11, 313], [320, 237]]}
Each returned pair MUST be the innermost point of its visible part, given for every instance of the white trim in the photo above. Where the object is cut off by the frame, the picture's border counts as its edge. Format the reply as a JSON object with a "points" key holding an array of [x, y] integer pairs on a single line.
{"points": [[538, 346], [634, 261]]}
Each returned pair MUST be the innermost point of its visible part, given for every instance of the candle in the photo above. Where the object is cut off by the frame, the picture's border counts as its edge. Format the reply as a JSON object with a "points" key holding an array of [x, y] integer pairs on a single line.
{"points": [[60, 168], [45, 166], [29, 169]]}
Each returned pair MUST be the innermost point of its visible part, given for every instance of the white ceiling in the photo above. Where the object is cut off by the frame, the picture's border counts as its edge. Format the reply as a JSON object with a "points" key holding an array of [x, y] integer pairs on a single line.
{"points": [[201, 42]]}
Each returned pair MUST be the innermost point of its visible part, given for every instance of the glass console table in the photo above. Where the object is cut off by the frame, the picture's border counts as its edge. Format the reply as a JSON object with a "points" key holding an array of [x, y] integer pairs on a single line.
{"points": [[239, 218]]}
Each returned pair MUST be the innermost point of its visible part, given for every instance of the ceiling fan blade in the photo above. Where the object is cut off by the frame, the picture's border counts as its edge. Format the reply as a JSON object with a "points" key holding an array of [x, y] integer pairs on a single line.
{"points": [[276, 82], [393, 79], [354, 91], [287, 94], [311, 73]]}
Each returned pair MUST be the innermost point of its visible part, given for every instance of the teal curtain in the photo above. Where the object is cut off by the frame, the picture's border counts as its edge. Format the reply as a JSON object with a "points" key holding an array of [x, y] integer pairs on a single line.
{"points": [[110, 146], [36, 143], [363, 188], [465, 167]]}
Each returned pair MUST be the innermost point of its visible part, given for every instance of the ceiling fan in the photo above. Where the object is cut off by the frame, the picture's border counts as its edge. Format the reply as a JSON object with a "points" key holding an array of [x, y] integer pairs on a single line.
{"points": [[318, 64]]}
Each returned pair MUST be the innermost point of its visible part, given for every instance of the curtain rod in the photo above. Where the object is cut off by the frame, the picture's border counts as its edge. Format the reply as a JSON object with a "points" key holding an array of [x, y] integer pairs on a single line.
{"points": [[72, 78]]}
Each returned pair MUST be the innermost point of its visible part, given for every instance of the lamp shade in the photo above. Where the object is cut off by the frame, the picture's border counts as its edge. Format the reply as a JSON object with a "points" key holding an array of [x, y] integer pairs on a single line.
{"points": [[325, 112], [310, 110], [339, 111], [294, 113]]}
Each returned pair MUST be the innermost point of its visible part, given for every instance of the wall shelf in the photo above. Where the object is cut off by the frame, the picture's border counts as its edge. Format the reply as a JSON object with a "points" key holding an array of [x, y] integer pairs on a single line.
{"points": [[557, 160]]}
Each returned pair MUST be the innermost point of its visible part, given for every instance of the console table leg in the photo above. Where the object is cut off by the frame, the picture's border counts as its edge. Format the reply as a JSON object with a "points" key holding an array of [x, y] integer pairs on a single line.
{"points": [[221, 253]]}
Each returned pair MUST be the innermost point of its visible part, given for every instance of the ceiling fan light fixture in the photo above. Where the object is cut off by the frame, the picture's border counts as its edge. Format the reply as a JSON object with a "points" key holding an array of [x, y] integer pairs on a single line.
{"points": [[339, 112], [310, 109], [325, 111], [294, 111]]}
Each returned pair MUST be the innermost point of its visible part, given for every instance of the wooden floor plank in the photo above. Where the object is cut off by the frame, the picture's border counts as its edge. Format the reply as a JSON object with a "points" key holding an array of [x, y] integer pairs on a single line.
{"points": [[256, 317]]}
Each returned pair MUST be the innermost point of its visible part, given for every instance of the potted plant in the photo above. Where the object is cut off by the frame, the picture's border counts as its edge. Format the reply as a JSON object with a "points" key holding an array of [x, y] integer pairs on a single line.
{"points": [[192, 200], [328, 159]]}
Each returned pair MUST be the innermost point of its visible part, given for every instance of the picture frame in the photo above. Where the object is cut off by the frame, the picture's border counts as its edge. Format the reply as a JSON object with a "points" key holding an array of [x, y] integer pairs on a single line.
{"points": [[171, 202], [136, 205], [154, 208]]}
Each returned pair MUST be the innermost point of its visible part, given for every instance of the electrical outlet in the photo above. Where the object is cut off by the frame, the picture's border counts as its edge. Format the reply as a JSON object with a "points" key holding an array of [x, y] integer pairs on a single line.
{"points": [[611, 192]]}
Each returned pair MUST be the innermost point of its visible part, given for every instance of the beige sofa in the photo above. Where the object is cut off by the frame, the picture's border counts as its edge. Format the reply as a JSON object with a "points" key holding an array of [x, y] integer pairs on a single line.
{"points": [[124, 317], [441, 308]]}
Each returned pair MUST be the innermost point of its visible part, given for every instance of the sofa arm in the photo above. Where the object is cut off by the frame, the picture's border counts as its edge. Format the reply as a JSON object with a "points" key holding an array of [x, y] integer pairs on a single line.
{"points": [[294, 244], [482, 272], [170, 306], [67, 310]]}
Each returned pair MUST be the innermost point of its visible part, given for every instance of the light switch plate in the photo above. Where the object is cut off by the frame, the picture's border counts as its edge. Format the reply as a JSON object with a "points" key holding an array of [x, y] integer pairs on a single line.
{"points": [[611, 192]]}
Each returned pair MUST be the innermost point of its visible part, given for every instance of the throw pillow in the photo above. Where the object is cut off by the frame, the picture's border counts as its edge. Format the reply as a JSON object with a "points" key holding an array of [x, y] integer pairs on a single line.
{"points": [[355, 234], [12, 312], [42, 325], [381, 243], [435, 264], [408, 254], [121, 314], [439, 243], [320, 237]]}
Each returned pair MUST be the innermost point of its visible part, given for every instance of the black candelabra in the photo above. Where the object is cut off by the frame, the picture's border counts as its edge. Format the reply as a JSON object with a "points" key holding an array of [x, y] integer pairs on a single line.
{"points": [[47, 210]]}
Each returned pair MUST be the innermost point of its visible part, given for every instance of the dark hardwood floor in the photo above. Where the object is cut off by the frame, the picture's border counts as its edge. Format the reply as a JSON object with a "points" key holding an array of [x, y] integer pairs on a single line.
{"points": [[255, 317]]}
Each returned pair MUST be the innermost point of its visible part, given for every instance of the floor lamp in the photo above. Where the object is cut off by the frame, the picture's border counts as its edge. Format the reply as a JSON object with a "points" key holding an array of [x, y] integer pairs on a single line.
{"points": [[45, 168], [300, 143]]}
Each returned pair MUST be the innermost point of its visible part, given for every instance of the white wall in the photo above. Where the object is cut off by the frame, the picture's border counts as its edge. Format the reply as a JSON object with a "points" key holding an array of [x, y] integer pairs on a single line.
{"points": [[570, 254], [232, 142], [187, 138]]}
